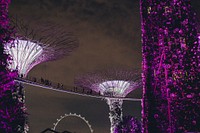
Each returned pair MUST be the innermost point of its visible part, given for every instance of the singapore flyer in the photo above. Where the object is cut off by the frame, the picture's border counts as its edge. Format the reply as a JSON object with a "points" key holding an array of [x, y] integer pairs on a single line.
{"points": [[72, 115]]}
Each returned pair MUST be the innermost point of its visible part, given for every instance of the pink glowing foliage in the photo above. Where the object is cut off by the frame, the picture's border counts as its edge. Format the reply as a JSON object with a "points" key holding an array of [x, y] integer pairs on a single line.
{"points": [[12, 111], [171, 67], [129, 124]]}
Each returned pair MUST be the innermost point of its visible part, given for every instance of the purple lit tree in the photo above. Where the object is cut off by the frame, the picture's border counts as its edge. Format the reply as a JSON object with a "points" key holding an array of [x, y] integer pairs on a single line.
{"points": [[129, 124], [12, 111], [171, 67], [31, 47], [111, 83]]}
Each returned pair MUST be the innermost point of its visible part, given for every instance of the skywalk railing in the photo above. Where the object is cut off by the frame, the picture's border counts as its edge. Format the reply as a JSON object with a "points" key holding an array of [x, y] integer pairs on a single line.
{"points": [[47, 84]]}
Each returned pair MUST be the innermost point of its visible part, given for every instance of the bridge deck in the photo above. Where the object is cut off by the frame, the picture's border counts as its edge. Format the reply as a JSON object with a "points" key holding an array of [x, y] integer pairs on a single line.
{"points": [[71, 90]]}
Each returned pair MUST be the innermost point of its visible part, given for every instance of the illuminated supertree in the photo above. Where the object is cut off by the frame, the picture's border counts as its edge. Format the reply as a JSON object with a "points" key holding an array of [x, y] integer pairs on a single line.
{"points": [[171, 67], [32, 47], [111, 83], [12, 111]]}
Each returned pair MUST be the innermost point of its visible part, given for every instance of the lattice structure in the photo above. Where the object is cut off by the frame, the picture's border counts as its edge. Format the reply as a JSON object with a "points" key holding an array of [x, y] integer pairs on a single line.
{"points": [[113, 83], [72, 115], [171, 69], [32, 47], [12, 111]]}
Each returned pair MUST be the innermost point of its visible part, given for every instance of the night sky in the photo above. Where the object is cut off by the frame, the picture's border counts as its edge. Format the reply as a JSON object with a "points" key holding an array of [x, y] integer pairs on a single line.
{"points": [[109, 35]]}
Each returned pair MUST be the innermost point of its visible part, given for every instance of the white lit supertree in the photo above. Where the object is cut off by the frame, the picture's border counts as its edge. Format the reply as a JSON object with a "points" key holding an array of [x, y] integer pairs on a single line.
{"points": [[115, 84], [32, 47]]}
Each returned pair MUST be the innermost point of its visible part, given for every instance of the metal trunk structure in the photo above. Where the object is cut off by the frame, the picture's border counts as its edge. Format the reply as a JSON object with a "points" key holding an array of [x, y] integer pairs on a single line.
{"points": [[112, 83]]}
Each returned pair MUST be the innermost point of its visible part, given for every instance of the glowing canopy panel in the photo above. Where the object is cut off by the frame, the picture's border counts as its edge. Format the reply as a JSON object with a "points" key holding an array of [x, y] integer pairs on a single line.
{"points": [[24, 54], [118, 88], [114, 82]]}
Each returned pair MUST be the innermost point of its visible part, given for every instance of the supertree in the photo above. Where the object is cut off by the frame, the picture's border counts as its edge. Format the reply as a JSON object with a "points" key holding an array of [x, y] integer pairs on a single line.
{"points": [[45, 43], [129, 124], [116, 82], [171, 67], [12, 111], [32, 47]]}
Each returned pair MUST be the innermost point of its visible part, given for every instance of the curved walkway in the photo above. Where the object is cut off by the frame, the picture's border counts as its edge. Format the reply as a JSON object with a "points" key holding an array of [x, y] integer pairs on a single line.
{"points": [[46, 84]]}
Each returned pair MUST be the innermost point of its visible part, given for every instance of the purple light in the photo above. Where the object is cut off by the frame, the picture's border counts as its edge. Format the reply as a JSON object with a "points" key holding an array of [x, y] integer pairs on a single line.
{"points": [[171, 67], [24, 54], [12, 111], [32, 47], [129, 124], [116, 88], [118, 81], [114, 83], [25, 51]]}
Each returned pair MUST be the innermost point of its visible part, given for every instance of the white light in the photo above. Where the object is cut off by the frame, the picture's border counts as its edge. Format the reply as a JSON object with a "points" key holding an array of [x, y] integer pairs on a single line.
{"points": [[74, 115], [25, 54], [115, 87]]}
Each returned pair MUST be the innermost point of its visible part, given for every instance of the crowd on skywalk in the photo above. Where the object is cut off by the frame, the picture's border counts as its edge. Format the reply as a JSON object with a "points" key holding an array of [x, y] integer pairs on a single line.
{"points": [[59, 86]]}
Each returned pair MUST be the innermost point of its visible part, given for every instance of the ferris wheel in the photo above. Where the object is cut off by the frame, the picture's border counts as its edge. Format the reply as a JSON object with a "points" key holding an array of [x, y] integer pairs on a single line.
{"points": [[72, 115]]}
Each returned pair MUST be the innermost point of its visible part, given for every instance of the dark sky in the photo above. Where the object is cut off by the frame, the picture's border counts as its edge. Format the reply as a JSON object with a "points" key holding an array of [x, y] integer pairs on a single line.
{"points": [[109, 35]]}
